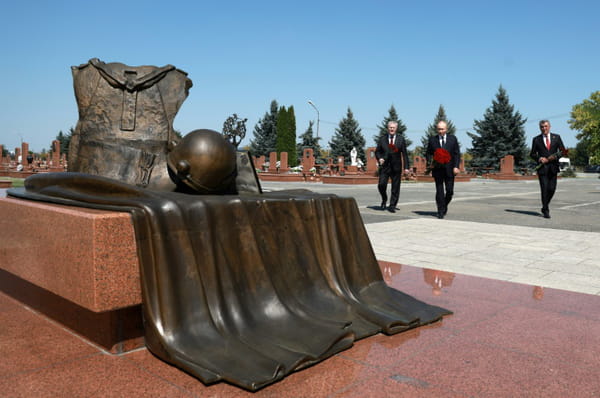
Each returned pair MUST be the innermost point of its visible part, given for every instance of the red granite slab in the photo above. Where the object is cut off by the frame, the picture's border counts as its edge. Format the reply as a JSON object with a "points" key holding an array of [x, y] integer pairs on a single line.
{"points": [[562, 337], [472, 368], [84, 255], [504, 340], [97, 375], [29, 342], [115, 331]]}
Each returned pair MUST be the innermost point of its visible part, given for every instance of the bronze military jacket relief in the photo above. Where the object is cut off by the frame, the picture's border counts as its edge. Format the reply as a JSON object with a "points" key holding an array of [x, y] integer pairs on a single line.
{"points": [[125, 127]]}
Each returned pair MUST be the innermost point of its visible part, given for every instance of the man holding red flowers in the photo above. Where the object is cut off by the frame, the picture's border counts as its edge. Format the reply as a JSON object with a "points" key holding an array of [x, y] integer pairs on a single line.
{"points": [[546, 149], [391, 155], [443, 154]]}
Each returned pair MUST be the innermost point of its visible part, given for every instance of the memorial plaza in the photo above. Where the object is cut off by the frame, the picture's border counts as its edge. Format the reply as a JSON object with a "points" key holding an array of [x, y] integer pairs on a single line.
{"points": [[525, 292]]}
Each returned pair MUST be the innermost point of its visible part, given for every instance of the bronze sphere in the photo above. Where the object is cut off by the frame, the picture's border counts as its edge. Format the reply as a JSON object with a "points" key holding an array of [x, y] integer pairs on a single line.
{"points": [[203, 162]]}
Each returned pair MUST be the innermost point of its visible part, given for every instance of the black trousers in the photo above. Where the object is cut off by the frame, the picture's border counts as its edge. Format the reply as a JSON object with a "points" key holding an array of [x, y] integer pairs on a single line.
{"points": [[444, 190], [547, 188], [384, 175]]}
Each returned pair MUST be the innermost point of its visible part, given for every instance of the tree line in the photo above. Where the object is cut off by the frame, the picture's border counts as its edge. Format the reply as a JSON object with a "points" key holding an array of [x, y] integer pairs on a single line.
{"points": [[500, 132]]}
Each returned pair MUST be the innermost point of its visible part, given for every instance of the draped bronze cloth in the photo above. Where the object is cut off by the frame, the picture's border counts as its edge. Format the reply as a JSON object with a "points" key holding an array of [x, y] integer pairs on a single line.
{"points": [[247, 288]]}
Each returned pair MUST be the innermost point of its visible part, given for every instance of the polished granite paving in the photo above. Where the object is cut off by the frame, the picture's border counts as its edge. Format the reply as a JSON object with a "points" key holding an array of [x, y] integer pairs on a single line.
{"points": [[504, 340]]}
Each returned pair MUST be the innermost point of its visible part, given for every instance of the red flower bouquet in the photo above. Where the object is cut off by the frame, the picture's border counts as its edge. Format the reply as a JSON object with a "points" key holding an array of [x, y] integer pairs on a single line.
{"points": [[556, 155], [441, 157], [393, 148]]}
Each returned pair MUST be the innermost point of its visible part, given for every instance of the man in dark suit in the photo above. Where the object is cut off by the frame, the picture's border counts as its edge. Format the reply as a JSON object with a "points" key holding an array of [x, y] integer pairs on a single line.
{"points": [[544, 150], [443, 174], [391, 155]]}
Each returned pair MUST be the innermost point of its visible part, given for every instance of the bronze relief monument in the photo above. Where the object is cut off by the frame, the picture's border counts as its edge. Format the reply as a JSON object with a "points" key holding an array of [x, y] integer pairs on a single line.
{"points": [[237, 285], [125, 127]]}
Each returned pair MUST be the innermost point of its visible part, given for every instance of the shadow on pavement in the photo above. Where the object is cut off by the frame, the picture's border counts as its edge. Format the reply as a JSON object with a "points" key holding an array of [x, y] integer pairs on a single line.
{"points": [[425, 213], [525, 212]]}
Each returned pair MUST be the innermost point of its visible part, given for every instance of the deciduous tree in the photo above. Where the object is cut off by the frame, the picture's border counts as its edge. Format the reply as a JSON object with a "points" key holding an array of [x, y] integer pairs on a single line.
{"points": [[585, 117]]}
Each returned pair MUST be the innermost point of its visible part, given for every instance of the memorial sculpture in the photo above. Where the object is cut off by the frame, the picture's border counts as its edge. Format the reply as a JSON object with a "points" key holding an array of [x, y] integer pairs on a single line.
{"points": [[125, 127], [353, 154], [237, 285]]}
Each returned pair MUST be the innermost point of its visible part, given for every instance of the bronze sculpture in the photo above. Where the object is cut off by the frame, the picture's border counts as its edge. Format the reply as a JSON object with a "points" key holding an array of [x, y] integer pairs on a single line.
{"points": [[240, 285], [204, 163], [125, 127]]}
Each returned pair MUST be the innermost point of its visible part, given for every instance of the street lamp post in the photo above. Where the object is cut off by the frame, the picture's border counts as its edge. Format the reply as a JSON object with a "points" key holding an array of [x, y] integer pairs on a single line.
{"points": [[313, 105]]}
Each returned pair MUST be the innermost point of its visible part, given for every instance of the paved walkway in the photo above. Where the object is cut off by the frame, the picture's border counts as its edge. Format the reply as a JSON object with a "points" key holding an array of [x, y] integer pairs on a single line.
{"points": [[568, 260]]}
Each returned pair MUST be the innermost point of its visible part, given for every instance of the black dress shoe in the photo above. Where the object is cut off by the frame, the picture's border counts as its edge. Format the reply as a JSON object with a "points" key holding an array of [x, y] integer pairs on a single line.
{"points": [[391, 209], [440, 215], [383, 205], [546, 214]]}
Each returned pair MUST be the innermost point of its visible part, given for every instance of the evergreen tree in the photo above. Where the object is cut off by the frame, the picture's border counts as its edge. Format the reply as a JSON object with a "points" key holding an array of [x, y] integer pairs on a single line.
{"points": [[432, 129], [290, 146], [65, 141], [265, 133], [286, 133], [498, 134], [282, 128], [347, 136], [383, 130], [308, 140]]}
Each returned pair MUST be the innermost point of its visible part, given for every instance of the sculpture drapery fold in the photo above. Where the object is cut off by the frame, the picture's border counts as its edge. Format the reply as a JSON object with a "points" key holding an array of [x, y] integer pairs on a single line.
{"points": [[247, 288]]}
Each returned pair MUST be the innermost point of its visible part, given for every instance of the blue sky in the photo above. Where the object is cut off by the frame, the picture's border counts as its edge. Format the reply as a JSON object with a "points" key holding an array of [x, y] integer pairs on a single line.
{"points": [[366, 55]]}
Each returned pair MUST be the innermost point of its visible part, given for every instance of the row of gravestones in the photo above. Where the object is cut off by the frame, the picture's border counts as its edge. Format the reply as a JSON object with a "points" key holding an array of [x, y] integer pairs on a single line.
{"points": [[58, 162], [308, 162]]}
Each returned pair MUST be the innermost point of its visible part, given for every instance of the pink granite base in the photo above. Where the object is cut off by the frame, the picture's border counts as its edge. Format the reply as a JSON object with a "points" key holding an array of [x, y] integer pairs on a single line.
{"points": [[504, 340], [350, 179], [115, 331], [83, 255], [280, 177], [513, 176], [77, 266]]}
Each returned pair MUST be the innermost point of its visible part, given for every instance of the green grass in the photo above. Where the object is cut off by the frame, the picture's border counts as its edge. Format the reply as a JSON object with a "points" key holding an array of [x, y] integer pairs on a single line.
{"points": [[16, 182]]}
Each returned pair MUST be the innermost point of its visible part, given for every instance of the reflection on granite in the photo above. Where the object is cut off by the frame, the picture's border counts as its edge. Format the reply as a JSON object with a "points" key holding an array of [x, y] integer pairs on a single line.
{"points": [[504, 340]]}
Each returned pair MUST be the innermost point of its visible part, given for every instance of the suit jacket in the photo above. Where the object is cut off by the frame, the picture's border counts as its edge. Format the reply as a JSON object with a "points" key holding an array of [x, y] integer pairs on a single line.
{"points": [[396, 160], [538, 150], [452, 147]]}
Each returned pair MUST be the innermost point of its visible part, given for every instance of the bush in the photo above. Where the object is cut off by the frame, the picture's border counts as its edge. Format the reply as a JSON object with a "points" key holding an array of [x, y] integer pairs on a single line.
{"points": [[568, 173]]}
